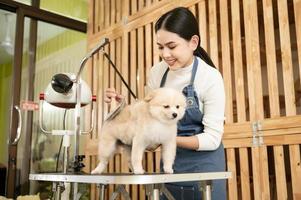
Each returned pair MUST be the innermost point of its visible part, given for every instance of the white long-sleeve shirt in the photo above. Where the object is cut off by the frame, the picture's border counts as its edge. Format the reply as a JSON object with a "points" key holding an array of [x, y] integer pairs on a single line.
{"points": [[209, 87]]}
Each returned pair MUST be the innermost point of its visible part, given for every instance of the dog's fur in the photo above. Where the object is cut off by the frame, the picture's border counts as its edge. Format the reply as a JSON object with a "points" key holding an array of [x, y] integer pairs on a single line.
{"points": [[144, 124]]}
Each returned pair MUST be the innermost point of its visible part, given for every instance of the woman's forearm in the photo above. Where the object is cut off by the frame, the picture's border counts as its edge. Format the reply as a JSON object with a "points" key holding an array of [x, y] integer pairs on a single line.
{"points": [[190, 142]]}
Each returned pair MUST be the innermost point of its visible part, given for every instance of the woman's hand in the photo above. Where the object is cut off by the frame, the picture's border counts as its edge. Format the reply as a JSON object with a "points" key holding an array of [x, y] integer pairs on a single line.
{"points": [[110, 93]]}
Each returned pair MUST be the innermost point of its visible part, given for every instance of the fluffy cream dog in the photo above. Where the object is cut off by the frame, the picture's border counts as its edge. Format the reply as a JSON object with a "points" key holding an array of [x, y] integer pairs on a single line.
{"points": [[142, 125]]}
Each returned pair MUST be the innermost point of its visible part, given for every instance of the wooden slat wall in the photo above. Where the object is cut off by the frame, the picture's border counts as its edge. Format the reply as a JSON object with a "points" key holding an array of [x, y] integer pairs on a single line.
{"points": [[256, 45], [274, 94]]}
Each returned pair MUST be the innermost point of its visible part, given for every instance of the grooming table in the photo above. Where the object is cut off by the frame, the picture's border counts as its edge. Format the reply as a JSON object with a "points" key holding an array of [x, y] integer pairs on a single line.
{"points": [[154, 183]]}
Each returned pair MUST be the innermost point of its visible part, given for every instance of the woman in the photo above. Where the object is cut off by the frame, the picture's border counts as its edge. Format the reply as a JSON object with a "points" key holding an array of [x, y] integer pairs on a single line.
{"points": [[187, 67]]}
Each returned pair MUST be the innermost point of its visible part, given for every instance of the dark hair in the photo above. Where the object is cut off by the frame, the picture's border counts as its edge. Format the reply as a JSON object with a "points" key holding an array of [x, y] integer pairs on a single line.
{"points": [[182, 22]]}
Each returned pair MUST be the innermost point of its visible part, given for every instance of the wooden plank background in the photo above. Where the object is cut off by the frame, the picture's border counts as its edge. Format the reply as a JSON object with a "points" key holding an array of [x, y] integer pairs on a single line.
{"points": [[256, 45]]}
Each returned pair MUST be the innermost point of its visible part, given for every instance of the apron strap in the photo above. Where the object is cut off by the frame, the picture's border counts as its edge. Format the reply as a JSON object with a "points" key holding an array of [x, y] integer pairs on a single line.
{"points": [[163, 80], [195, 67]]}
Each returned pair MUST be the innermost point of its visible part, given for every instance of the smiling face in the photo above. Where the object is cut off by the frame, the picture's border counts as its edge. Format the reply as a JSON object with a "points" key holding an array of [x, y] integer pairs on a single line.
{"points": [[174, 50]]}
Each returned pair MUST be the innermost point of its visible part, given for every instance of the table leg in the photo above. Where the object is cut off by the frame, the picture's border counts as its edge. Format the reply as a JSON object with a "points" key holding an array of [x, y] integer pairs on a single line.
{"points": [[156, 194], [153, 191], [101, 188], [58, 193], [166, 192], [206, 190], [122, 191]]}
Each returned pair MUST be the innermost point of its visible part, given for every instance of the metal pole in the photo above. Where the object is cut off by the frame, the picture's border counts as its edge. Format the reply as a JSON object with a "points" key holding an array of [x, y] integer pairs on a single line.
{"points": [[156, 194], [206, 190], [77, 129], [58, 192], [75, 194], [66, 142], [101, 191], [77, 120]]}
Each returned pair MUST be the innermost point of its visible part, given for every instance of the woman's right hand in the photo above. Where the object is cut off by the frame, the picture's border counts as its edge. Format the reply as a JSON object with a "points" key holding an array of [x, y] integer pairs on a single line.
{"points": [[110, 93]]}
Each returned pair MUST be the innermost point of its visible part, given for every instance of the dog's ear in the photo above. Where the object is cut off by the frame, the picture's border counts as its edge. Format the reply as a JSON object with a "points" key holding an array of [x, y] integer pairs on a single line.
{"points": [[149, 96]]}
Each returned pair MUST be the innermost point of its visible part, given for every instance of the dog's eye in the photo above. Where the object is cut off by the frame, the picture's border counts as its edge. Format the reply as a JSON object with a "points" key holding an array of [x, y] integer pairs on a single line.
{"points": [[166, 106], [177, 106]]}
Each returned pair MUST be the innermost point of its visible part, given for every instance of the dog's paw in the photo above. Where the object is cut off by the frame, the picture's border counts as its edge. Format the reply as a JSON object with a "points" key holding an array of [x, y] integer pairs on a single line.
{"points": [[95, 171], [168, 170], [130, 166], [138, 171]]}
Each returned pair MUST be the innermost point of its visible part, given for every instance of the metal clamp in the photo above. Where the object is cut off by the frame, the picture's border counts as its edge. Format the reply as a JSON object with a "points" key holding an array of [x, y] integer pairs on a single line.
{"points": [[125, 20], [257, 134]]}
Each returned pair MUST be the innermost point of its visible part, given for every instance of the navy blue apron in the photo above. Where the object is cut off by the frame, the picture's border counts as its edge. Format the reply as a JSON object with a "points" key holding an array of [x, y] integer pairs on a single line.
{"points": [[195, 161]]}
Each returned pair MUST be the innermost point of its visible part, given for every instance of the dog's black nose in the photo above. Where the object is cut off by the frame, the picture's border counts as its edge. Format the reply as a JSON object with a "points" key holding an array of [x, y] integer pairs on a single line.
{"points": [[174, 115]]}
